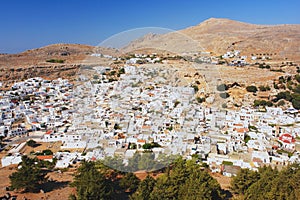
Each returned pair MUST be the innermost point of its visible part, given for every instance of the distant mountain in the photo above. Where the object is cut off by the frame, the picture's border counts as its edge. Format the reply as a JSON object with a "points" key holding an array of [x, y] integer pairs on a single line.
{"points": [[52, 61], [222, 35], [70, 53]]}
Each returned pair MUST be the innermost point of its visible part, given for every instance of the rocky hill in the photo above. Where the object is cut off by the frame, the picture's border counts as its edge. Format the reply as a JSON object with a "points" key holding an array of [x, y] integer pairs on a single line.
{"points": [[57, 60], [222, 35]]}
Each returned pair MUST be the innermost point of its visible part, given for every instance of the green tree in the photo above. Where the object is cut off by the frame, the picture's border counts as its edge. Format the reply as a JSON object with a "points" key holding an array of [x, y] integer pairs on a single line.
{"points": [[222, 87], [186, 180], [144, 189], [163, 189], [31, 143], [296, 104], [260, 189], [29, 176], [147, 146], [130, 182], [297, 77], [251, 88], [90, 183], [224, 95], [115, 162], [200, 186], [196, 88], [200, 100], [147, 161], [243, 180]]}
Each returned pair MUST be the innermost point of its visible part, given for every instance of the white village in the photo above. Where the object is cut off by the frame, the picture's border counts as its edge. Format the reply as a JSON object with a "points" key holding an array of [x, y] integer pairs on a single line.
{"points": [[144, 109]]}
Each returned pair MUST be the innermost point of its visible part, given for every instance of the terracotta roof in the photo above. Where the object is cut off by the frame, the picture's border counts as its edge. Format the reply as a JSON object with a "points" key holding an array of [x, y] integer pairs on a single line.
{"points": [[237, 124], [45, 157], [242, 130], [287, 138], [48, 132], [146, 127]]}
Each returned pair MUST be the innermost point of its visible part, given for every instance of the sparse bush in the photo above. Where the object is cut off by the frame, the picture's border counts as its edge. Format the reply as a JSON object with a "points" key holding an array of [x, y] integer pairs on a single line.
{"points": [[200, 100], [251, 88], [264, 88], [55, 61], [281, 103], [196, 89], [224, 105], [224, 95], [222, 87], [31, 143]]}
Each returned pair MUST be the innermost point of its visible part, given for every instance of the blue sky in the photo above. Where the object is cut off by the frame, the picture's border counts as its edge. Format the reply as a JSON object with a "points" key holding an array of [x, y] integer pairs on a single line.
{"points": [[32, 23]]}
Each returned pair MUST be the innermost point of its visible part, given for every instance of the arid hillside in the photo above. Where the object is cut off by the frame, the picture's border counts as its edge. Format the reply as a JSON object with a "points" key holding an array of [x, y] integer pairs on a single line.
{"points": [[57, 60], [222, 35]]}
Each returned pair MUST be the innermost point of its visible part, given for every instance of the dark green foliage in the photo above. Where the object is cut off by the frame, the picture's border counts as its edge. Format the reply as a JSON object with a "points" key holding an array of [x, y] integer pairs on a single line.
{"points": [[224, 95], [296, 103], [294, 97], [297, 77], [144, 189], [45, 152], [251, 88], [121, 70], [247, 138], [227, 163], [114, 163], [284, 95], [29, 176], [147, 146], [281, 79], [130, 182], [268, 183], [139, 161], [252, 128], [200, 100], [95, 76], [91, 183], [150, 145], [262, 66], [281, 103], [196, 89], [297, 89], [176, 103], [264, 88], [243, 180], [186, 180], [31, 143], [112, 73], [222, 87], [55, 61], [262, 103]]}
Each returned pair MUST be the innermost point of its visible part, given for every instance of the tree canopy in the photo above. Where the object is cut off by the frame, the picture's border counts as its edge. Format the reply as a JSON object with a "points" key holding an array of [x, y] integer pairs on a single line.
{"points": [[186, 180], [251, 88], [90, 183], [29, 176], [268, 183]]}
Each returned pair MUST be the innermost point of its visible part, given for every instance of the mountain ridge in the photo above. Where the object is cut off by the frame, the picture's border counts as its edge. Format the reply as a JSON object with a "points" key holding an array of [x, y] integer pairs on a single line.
{"points": [[219, 35]]}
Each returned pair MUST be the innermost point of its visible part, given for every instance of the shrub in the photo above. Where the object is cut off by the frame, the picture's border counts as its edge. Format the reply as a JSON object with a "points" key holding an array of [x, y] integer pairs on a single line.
{"points": [[55, 61], [281, 103], [31, 143], [200, 100], [196, 89], [222, 87], [264, 88], [251, 88], [296, 104], [297, 77], [224, 95]]}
